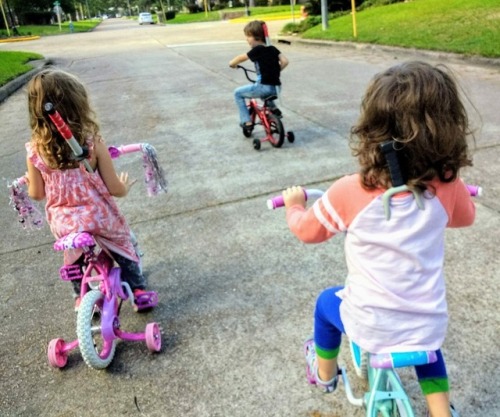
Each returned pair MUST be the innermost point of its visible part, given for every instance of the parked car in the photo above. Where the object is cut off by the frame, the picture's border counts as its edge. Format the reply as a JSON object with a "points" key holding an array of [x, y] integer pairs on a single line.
{"points": [[145, 18]]}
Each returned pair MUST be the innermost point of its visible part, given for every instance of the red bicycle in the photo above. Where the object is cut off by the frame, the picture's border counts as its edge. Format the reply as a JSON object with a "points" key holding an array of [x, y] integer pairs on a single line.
{"points": [[261, 114]]}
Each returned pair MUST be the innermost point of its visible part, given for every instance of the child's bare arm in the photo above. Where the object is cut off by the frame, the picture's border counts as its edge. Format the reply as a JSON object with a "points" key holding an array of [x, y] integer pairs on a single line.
{"points": [[117, 186], [36, 185], [283, 61], [238, 60]]}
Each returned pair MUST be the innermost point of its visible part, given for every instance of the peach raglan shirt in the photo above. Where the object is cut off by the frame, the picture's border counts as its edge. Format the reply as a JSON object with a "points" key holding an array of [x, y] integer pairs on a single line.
{"points": [[394, 298]]}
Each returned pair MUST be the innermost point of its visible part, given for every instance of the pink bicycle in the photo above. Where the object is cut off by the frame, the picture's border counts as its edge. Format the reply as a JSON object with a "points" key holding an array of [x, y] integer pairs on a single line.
{"points": [[102, 293], [98, 324]]}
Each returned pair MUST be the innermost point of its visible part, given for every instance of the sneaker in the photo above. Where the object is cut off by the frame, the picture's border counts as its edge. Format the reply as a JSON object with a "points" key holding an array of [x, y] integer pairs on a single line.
{"points": [[78, 300], [312, 369], [454, 413]]}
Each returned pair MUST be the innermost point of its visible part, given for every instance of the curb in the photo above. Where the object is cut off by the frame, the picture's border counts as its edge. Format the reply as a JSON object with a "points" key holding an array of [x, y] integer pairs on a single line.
{"points": [[20, 39], [14, 85], [439, 55]]}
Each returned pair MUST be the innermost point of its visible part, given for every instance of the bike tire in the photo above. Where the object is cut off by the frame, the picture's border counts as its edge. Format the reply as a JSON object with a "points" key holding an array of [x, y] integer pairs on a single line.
{"points": [[276, 131], [57, 358], [96, 351]]}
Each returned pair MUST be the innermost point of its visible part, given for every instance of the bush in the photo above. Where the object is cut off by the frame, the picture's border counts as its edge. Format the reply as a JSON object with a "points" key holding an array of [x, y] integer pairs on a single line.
{"points": [[194, 8], [170, 14], [302, 26], [36, 18]]}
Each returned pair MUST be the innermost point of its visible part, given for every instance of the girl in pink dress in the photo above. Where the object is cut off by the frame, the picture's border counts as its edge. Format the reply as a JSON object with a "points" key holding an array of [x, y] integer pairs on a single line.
{"points": [[77, 200]]}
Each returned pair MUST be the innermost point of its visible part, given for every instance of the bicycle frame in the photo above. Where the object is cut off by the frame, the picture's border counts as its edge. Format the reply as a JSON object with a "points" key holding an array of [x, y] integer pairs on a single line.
{"points": [[379, 399], [114, 290], [102, 293]]}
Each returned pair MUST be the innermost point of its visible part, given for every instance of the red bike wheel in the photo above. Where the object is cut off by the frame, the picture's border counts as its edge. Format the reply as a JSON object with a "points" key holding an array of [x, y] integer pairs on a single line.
{"points": [[276, 132]]}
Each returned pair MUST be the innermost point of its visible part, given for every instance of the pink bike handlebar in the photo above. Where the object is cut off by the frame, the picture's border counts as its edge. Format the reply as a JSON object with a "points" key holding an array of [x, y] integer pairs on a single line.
{"points": [[277, 202], [117, 151]]}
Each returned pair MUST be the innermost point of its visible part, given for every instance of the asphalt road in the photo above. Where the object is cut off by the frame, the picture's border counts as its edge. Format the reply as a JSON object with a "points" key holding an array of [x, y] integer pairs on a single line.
{"points": [[236, 289]]}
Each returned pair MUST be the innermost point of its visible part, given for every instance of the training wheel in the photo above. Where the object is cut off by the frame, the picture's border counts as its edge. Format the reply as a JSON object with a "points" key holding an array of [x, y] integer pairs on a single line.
{"points": [[291, 137], [153, 337], [256, 144], [57, 356]]}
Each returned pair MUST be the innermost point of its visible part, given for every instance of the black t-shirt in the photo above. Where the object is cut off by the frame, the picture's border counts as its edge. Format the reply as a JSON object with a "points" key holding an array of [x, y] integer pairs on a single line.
{"points": [[267, 63]]}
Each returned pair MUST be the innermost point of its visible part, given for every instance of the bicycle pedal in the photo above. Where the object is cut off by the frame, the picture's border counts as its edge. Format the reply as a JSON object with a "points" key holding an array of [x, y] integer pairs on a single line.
{"points": [[145, 300], [70, 272]]}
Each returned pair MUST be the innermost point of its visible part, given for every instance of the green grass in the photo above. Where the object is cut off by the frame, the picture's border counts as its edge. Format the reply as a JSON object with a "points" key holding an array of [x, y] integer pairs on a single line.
{"points": [[469, 27], [46, 30], [13, 63], [259, 13]]}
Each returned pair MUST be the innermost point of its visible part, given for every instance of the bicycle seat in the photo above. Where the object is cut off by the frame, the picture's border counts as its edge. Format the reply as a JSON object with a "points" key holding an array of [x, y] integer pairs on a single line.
{"points": [[270, 98], [74, 241], [402, 359]]}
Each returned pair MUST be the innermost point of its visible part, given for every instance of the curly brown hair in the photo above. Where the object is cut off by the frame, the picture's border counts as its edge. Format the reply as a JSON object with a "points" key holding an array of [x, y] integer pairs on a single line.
{"points": [[418, 106], [255, 29], [69, 97]]}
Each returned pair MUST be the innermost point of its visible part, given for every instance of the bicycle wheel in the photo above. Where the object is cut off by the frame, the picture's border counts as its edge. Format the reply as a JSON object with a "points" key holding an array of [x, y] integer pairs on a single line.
{"points": [[359, 360], [95, 349], [57, 358], [276, 131]]}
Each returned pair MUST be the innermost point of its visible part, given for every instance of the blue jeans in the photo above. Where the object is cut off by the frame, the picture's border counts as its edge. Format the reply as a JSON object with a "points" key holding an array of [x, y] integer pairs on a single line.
{"points": [[255, 90]]}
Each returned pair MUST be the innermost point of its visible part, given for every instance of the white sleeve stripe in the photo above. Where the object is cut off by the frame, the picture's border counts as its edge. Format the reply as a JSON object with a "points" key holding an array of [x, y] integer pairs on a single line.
{"points": [[319, 215], [331, 211]]}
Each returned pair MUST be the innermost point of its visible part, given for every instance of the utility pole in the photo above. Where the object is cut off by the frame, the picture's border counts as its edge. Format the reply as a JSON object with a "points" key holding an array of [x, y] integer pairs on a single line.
{"points": [[324, 14]]}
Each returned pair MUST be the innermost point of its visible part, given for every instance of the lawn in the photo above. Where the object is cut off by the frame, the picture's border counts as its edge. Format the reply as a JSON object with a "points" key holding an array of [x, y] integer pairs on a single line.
{"points": [[470, 27], [13, 63], [46, 30], [259, 13]]}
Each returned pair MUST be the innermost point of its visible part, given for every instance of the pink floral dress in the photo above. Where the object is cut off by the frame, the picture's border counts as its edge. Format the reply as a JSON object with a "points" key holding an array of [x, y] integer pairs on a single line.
{"points": [[79, 201]]}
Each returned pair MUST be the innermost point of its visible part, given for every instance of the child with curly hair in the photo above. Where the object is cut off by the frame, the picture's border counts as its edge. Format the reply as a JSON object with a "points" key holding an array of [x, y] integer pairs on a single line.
{"points": [[77, 200], [394, 299]]}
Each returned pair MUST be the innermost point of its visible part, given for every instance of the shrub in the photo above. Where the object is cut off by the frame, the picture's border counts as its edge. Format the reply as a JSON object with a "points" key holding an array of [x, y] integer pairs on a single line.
{"points": [[170, 14], [36, 18], [303, 25]]}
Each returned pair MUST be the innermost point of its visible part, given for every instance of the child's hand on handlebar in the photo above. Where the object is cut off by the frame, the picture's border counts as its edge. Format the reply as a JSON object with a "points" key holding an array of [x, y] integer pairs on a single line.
{"points": [[294, 195]]}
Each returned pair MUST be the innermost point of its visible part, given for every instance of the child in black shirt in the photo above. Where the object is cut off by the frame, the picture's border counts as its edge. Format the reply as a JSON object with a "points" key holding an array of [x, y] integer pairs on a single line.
{"points": [[269, 62]]}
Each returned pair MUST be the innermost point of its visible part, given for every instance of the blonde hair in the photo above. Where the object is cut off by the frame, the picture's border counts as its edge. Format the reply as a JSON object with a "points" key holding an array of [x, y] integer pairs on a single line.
{"points": [[418, 106], [69, 97]]}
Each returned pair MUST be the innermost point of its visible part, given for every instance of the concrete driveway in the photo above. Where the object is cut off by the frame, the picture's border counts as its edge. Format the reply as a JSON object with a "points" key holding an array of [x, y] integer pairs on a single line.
{"points": [[236, 289]]}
